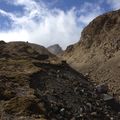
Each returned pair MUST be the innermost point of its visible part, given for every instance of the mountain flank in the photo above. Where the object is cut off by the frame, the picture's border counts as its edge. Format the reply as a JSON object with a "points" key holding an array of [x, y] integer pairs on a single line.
{"points": [[97, 54]]}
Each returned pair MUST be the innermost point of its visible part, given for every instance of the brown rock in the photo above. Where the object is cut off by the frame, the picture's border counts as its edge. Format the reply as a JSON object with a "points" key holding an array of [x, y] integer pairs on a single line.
{"points": [[98, 51]]}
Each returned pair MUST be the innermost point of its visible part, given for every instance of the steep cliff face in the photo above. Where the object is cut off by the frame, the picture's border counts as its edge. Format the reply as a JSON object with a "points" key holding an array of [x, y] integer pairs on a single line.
{"points": [[55, 49], [98, 51]]}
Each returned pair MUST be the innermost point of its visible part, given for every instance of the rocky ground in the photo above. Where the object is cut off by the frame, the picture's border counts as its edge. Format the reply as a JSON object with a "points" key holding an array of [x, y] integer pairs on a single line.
{"points": [[34, 87]]}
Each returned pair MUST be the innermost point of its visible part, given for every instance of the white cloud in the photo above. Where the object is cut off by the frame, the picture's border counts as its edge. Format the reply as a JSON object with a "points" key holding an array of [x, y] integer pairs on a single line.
{"points": [[60, 28], [88, 13], [21, 35], [115, 4], [52, 26]]}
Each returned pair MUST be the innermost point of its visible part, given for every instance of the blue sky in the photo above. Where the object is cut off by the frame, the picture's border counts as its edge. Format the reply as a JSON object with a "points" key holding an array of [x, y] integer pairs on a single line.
{"points": [[48, 22]]}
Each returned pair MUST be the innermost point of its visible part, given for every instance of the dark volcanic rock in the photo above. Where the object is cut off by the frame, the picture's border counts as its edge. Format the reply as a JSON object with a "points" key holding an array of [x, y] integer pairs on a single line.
{"points": [[68, 94]]}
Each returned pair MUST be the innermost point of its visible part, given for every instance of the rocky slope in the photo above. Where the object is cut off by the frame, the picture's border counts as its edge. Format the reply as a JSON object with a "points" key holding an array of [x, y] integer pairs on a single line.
{"points": [[98, 51], [33, 88], [55, 49], [38, 48]]}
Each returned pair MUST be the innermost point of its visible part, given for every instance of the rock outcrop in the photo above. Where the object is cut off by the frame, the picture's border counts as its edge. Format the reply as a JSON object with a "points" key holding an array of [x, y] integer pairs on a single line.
{"points": [[98, 51]]}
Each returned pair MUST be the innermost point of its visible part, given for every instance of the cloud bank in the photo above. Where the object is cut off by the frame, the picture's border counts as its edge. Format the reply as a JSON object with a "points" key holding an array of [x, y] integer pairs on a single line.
{"points": [[44, 26]]}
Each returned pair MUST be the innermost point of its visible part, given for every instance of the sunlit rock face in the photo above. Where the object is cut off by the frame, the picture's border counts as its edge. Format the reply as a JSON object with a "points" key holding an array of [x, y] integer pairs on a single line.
{"points": [[98, 51]]}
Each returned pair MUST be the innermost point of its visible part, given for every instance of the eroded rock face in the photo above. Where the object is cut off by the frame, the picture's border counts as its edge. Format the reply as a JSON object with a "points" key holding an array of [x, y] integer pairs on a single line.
{"points": [[98, 51]]}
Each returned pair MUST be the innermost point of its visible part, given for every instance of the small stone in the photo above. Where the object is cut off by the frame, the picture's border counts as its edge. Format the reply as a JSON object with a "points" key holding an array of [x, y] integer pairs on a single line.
{"points": [[81, 115], [81, 110], [62, 110], [93, 113], [73, 118], [118, 113], [111, 118], [102, 88], [89, 105], [86, 74], [108, 115], [82, 90], [75, 90]]}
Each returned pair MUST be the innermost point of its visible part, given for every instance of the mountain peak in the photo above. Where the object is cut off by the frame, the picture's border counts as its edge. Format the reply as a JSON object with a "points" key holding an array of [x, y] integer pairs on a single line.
{"points": [[55, 49]]}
